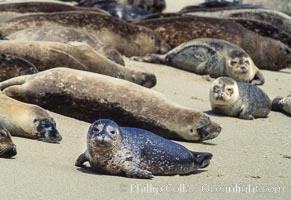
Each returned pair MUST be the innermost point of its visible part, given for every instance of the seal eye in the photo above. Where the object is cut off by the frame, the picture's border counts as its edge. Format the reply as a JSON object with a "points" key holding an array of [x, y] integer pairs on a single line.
{"points": [[230, 90], [112, 132], [96, 129], [233, 62]]}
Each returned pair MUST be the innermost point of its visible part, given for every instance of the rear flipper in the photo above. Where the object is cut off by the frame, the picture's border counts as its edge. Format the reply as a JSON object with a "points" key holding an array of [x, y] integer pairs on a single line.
{"points": [[151, 58], [133, 171], [202, 159]]}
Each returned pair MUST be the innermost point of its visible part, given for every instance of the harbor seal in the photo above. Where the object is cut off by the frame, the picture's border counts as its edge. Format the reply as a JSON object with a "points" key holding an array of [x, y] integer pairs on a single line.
{"points": [[7, 147], [282, 104], [67, 35], [129, 39], [87, 96], [26, 120], [238, 99], [12, 66], [137, 153], [46, 55], [266, 53], [210, 56]]}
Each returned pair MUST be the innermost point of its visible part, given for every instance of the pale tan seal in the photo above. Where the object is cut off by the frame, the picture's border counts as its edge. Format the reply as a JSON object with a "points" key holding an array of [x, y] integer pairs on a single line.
{"points": [[87, 96], [7, 147], [238, 99], [129, 39], [46, 55], [27, 120]]}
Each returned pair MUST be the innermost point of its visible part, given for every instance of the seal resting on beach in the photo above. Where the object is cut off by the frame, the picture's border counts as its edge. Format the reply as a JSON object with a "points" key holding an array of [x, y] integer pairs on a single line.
{"points": [[7, 147], [238, 99], [210, 56], [137, 153], [26, 120], [87, 96], [282, 104]]}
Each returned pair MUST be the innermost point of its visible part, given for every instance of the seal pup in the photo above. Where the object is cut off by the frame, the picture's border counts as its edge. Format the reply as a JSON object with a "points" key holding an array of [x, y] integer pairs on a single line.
{"points": [[86, 96], [67, 35], [210, 56], [26, 120], [129, 39], [238, 99], [12, 66], [7, 147], [282, 104], [266, 53], [47, 55], [137, 153]]}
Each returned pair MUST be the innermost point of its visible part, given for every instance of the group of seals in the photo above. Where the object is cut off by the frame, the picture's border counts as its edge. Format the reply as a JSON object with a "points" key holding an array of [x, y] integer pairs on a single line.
{"points": [[87, 96], [238, 99], [137, 153], [210, 56], [7, 147], [282, 104], [26, 120]]}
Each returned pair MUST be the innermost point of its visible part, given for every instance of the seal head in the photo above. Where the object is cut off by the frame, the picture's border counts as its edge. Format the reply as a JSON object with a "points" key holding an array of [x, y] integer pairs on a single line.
{"points": [[46, 130], [7, 147]]}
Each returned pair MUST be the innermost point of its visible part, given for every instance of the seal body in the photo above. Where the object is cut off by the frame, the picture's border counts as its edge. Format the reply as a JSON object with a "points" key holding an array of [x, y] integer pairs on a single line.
{"points": [[12, 66], [46, 55], [129, 39], [87, 96], [238, 99], [266, 53], [67, 35], [282, 104], [26, 120], [137, 153], [7, 147], [213, 57]]}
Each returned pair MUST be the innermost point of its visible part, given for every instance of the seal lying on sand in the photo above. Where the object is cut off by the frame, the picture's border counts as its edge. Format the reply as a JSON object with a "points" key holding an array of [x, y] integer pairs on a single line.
{"points": [[26, 120], [238, 99], [7, 147], [266, 53], [12, 66], [137, 153], [129, 39], [66, 35], [210, 56], [46, 55], [282, 104], [87, 96]]}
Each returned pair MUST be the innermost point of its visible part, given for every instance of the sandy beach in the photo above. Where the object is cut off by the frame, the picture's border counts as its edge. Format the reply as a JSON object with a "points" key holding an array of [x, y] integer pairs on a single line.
{"points": [[251, 158]]}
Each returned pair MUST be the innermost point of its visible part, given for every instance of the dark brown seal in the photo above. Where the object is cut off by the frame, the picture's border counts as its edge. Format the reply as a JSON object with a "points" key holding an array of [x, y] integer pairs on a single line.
{"points": [[137, 153], [87, 96], [7, 147], [129, 39], [12, 66], [266, 53], [47, 55]]}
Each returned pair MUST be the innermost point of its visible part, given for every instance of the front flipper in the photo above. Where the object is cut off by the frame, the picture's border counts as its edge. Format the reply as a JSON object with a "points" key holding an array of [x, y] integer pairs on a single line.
{"points": [[13, 82], [245, 114], [151, 58], [258, 79], [81, 160], [132, 171]]}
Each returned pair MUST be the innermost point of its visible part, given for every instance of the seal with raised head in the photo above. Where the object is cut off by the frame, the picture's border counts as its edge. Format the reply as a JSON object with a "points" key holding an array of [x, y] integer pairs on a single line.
{"points": [[12, 66], [266, 53], [7, 147], [137, 153], [47, 55], [67, 35], [26, 120], [238, 99], [129, 39], [282, 104], [210, 56], [87, 96]]}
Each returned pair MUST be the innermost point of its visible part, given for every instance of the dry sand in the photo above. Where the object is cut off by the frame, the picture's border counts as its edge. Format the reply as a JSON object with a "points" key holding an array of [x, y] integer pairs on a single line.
{"points": [[248, 160]]}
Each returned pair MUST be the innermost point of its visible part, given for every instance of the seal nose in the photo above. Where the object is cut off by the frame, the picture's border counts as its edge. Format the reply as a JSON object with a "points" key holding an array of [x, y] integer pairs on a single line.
{"points": [[202, 158], [10, 152]]}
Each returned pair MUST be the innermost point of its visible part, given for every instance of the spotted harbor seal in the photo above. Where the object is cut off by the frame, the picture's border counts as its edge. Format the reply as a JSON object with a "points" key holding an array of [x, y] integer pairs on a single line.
{"points": [[87, 96], [12, 66], [7, 147], [282, 104], [129, 39], [67, 35], [46, 55], [137, 153], [238, 99], [210, 56], [266, 53], [26, 120]]}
